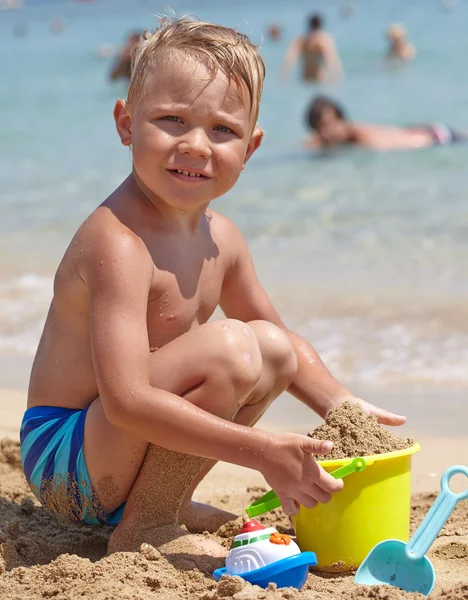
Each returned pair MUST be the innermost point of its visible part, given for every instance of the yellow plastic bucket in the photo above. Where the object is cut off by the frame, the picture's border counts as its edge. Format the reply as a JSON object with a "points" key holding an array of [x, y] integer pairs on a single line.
{"points": [[373, 506]]}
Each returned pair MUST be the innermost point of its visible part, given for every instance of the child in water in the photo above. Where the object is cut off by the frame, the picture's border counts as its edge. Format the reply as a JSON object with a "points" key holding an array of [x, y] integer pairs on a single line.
{"points": [[332, 129], [134, 393]]}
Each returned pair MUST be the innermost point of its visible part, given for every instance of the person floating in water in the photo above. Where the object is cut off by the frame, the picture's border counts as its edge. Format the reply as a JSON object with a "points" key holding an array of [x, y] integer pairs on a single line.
{"points": [[122, 67], [399, 48], [320, 59], [332, 128]]}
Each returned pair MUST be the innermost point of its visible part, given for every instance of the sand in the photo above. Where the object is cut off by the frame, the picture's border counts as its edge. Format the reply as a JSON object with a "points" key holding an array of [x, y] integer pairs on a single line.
{"points": [[355, 433], [41, 558]]}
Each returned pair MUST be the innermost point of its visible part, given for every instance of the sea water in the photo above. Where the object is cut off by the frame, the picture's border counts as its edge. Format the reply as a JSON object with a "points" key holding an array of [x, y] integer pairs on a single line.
{"points": [[365, 254]]}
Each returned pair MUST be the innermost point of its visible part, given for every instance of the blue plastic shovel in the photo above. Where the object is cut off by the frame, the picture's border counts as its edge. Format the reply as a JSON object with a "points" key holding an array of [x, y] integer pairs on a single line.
{"points": [[392, 562]]}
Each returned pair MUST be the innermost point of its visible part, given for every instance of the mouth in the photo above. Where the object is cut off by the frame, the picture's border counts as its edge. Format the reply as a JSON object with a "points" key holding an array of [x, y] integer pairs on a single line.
{"points": [[188, 175]]}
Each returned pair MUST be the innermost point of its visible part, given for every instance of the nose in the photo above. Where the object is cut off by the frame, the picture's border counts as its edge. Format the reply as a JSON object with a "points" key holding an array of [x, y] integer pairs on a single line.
{"points": [[196, 143]]}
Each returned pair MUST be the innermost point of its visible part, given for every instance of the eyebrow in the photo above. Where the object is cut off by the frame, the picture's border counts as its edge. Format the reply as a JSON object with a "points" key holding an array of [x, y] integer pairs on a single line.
{"points": [[217, 116]]}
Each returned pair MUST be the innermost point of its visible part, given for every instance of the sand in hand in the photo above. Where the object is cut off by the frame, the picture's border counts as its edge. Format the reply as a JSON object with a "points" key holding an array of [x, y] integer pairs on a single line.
{"points": [[355, 433]]}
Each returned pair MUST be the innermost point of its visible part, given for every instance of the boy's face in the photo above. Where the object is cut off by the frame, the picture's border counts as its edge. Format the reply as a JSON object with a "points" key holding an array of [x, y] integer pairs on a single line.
{"points": [[190, 136]]}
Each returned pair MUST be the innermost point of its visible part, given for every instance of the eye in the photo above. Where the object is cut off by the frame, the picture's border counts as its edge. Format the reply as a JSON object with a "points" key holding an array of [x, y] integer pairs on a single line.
{"points": [[172, 119], [223, 129]]}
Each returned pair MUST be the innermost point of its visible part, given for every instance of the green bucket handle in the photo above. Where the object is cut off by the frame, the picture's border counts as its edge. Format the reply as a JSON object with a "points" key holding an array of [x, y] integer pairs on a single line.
{"points": [[270, 500]]}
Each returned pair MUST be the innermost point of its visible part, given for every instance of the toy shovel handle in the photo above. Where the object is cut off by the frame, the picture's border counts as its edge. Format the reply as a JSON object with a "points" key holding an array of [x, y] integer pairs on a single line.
{"points": [[440, 511], [270, 500]]}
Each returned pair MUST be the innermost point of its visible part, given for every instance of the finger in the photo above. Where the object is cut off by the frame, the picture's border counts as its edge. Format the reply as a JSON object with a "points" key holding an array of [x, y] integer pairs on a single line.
{"points": [[313, 446], [307, 500], [384, 417], [320, 495], [290, 506], [328, 483]]}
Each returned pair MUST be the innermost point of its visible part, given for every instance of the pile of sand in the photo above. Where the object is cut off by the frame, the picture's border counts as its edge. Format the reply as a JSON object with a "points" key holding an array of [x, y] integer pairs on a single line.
{"points": [[40, 558], [354, 433]]}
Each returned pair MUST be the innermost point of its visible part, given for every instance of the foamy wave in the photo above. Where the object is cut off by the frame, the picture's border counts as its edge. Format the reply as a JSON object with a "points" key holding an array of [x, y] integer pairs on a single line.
{"points": [[363, 350], [24, 302], [359, 348]]}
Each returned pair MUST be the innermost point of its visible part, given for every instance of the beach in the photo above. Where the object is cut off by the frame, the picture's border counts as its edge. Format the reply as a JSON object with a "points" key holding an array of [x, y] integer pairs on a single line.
{"points": [[364, 254], [41, 558]]}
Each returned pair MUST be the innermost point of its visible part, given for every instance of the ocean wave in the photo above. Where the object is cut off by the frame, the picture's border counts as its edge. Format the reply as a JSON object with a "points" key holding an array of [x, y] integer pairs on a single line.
{"points": [[381, 353], [24, 301], [361, 346]]}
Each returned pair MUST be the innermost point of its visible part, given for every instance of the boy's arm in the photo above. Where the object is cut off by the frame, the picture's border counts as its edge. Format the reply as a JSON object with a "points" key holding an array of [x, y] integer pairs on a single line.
{"points": [[244, 298], [118, 273]]}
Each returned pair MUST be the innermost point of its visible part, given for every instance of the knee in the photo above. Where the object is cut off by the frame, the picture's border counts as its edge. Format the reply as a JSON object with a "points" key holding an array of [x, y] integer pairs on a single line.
{"points": [[238, 354], [276, 348]]}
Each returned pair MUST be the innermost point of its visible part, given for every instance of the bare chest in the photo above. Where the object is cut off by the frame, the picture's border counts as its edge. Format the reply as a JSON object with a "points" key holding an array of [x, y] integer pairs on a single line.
{"points": [[182, 299]]}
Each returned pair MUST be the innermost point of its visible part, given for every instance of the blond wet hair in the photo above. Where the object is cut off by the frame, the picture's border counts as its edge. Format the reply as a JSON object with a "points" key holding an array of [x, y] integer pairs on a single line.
{"points": [[217, 47]]}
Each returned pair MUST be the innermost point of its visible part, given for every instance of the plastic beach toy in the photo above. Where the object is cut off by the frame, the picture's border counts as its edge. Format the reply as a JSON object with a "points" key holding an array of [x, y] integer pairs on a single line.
{"points": [[270, 500], [262, 556], [373, 506], [392, 562]]}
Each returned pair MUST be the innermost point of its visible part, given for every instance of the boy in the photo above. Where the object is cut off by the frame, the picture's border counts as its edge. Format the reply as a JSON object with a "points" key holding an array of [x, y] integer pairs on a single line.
{"points": [[134, 395]]}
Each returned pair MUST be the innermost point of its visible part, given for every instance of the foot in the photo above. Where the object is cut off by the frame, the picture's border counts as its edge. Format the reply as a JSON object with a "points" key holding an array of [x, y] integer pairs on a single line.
{"points": [[198, 517], [172, 541]]}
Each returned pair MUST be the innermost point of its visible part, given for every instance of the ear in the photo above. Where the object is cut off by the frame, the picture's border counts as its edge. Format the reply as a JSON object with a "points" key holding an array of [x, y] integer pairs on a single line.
{"points": [[123, 122], [254, 143]]}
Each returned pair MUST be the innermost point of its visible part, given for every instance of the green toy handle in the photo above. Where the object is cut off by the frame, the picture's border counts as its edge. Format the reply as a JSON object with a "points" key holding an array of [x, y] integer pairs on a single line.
{"points": [[270, 500], [355, 466]]}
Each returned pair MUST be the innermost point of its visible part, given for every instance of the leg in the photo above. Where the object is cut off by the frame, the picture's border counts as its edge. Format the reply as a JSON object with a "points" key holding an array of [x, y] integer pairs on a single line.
{"points": [[279, 365], [215, 367]]}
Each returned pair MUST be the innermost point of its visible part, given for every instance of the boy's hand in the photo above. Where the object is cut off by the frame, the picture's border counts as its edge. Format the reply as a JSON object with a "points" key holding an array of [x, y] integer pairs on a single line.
{"points": [[292, 471], [384, 417]]}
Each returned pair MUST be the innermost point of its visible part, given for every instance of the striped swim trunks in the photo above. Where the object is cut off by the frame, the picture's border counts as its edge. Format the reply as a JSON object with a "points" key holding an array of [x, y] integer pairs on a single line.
{"points": [[51, 440]]}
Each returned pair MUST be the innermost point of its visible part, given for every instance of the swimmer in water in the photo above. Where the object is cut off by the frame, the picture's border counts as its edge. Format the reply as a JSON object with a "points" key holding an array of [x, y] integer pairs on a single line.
{"points": [[332, 129], [122, 67], [399, 48], [274, 32], [320, 59]]}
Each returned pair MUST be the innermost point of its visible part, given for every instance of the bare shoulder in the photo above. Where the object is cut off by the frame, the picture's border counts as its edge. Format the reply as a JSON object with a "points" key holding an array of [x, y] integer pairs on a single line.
{"points": [[299, 41], [326, 39], [379, 137], [366, 133], [104, 239], [312, 142], [228, 238], [225, 233]]}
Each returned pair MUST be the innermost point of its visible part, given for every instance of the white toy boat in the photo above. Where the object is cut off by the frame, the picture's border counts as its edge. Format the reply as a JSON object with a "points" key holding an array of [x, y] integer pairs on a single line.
{"points": [[262, 555]]}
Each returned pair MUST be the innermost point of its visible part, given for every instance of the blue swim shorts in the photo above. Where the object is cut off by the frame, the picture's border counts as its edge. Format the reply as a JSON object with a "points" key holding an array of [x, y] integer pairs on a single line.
{"points": [[51, 440]]}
